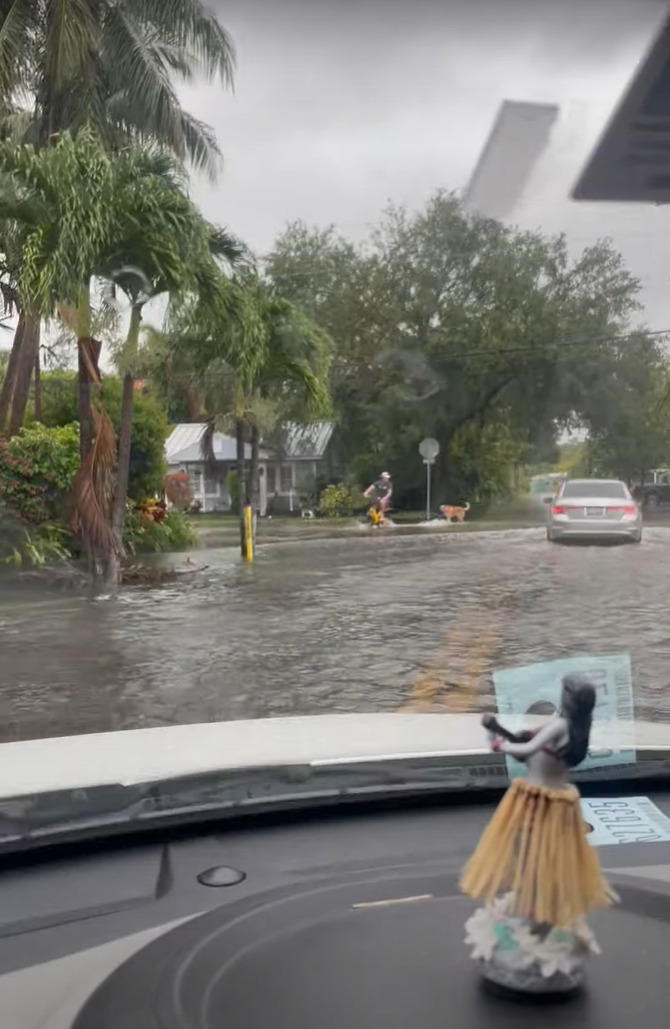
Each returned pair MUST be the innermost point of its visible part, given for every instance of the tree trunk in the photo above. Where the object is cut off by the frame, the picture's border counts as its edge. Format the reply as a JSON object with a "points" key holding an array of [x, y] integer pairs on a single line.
{"points": [[125, 437], [113, 569], [255, 489], [123, 469], [25, 366], [89, 378], [38, 387], [242, 496], [10, 373]]}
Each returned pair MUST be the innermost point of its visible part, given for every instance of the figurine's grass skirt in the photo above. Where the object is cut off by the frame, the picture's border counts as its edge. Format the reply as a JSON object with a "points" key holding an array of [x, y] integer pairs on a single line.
{"points": [[536, 846]]}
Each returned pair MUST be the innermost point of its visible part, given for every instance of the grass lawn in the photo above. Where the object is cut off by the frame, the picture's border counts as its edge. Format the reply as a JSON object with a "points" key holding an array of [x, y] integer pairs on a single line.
{"points": [[511, 510]]}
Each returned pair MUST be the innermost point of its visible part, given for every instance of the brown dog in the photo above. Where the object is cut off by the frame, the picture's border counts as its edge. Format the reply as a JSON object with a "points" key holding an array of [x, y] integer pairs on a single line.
{"points": [[458, 513]]}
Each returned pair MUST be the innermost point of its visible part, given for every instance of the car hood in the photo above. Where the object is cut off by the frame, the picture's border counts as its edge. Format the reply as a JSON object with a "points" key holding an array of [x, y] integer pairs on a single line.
{"points": [[150, 755]]}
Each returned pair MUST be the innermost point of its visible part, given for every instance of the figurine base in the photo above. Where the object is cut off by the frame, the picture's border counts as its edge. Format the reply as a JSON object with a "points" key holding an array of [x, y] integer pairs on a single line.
{"points": [[531, 985], [523, 960]]}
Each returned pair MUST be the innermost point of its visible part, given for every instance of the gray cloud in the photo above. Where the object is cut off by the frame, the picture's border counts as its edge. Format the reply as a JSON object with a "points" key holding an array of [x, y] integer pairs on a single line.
{"points": [[340, 106]]}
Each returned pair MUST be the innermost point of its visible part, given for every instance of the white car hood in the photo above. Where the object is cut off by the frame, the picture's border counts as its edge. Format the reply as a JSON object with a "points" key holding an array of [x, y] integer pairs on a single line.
{"points": [[149, 755]]}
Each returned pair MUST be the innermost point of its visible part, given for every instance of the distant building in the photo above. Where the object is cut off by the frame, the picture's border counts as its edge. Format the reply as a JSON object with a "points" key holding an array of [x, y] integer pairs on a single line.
{"points": [[183, 453], [291, 465]]}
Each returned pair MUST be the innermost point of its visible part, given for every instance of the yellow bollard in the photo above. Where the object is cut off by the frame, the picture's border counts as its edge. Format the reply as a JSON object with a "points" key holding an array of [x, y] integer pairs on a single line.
{"points": [[248, 534]]}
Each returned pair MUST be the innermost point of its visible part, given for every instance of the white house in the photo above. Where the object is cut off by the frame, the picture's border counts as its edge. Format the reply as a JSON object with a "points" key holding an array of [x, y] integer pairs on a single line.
{"points": [[183, 453], [284, 477]]}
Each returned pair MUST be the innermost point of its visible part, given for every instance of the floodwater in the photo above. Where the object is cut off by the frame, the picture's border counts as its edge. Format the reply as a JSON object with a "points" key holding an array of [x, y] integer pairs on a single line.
{"points": [[377, 622]]}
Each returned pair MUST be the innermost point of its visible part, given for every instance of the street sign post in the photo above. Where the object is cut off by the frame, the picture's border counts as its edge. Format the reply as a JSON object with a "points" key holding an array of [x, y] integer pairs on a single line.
{"points": [[429, 448]]}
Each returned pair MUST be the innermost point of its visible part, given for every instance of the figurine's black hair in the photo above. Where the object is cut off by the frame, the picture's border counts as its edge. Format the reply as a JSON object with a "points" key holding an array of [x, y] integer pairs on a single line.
{"points": [[578, 700]]}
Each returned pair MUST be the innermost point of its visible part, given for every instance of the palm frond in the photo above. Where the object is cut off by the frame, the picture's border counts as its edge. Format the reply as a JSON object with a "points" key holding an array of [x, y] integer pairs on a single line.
{"points": [[145, 97], [15, 124], [18, 20], [200, 144], [194, 29], [113, 64], [227, 247], [71, 42]]}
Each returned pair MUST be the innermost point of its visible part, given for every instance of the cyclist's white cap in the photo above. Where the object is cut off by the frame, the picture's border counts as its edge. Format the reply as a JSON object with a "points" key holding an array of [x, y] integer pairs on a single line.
{"points": [[386, 475]]}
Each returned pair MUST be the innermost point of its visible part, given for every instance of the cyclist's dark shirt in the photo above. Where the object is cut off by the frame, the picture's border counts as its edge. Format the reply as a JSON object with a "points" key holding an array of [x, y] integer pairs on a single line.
{"points": [[381, 488]]}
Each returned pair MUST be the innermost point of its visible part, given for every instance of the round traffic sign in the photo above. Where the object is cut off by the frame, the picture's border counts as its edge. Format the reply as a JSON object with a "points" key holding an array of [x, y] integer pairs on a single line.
{"points": [[429, 448]]}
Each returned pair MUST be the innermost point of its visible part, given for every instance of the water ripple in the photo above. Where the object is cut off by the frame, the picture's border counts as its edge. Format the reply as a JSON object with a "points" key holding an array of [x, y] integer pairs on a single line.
{"points": [[329, 626]]}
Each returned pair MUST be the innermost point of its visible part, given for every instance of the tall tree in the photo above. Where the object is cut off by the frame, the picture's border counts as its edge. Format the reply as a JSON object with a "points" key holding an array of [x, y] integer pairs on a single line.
{"points": [[260, 361], [125, 219], [113, 65], [442, 321]]}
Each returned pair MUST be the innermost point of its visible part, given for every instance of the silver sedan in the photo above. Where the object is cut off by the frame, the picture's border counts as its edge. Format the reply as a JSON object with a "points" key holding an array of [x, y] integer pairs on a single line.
{"points": [[595, 508]]}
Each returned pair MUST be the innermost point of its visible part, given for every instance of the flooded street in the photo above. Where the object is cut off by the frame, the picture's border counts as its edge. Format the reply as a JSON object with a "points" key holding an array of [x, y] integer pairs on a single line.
{"points": [[375, 623]]}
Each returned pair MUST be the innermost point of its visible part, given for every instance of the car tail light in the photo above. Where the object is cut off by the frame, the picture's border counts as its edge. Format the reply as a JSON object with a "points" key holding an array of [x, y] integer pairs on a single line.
{"points": [[628, 509], [558, 509]]}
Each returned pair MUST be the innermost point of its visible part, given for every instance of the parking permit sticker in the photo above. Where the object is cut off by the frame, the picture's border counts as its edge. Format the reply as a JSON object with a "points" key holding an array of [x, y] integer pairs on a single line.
{"points": [[624, 820], [536, 690]]}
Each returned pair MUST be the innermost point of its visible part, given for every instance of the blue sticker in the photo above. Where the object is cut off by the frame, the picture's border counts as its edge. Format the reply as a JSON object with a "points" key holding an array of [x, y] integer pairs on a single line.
{"points": [[625, 820], [536, 689]]}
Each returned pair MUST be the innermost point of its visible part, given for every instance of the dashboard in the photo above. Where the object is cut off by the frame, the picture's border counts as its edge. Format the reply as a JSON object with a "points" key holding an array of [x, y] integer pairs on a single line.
{"points": [[321, 920]]}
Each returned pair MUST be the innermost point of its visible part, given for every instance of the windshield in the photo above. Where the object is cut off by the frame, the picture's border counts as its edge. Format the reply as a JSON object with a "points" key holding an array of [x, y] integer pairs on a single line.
{"points": [[614, 490], [305, 325]]}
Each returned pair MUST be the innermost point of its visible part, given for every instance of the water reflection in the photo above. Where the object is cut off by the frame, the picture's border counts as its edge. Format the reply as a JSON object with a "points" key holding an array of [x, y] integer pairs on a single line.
{"points": [[332, 626]]}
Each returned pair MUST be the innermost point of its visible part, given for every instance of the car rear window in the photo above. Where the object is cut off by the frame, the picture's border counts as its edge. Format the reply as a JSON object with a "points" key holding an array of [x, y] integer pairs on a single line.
{"points": [[595, 489]]}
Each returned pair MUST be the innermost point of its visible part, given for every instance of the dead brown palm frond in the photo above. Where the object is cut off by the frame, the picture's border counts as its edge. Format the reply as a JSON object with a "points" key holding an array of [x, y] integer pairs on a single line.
{"points": [[93, 491], [89, 351]]}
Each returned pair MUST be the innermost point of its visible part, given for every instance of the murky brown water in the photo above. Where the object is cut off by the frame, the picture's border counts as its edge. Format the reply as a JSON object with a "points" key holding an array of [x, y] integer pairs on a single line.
{"points": [[334, 626]]}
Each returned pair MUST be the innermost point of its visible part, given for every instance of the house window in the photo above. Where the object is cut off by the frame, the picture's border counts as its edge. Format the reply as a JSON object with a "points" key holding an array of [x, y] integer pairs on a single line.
{"points": [[211, 485], [194, 477], [271, 474], [286, 478]]}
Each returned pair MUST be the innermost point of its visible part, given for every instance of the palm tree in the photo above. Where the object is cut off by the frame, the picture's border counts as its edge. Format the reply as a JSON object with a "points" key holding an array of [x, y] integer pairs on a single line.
{"points": [[111, 65], [260, 362], [125, 220], [172, 226]]}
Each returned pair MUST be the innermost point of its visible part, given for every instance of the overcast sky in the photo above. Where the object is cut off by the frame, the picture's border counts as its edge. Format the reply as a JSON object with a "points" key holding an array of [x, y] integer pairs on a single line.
{"points": [[340, 106]]}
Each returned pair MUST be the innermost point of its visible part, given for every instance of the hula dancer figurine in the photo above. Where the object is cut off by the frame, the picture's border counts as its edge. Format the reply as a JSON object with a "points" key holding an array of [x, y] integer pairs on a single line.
{"points": [[533, 867]]}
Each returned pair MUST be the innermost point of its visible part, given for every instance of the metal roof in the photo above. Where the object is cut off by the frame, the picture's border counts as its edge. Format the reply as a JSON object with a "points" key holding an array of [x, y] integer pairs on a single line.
{"points": [[307, 442], [301, 443], [183, 445]]}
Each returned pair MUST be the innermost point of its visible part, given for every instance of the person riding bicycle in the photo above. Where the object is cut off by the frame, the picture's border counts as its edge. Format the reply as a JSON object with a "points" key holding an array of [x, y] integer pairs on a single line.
{"points": [[380, 493]]}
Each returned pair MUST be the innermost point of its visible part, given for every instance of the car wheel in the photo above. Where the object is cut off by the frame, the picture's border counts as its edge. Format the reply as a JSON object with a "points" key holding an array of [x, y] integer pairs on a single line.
{"points": [[637, 538]]}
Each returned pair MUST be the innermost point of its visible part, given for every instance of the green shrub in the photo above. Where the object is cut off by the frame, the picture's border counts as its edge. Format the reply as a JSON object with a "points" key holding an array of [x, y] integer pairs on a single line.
{"points": [[340, 501], [38, 547], [150, 426], [37, 468], [143, 535]]}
